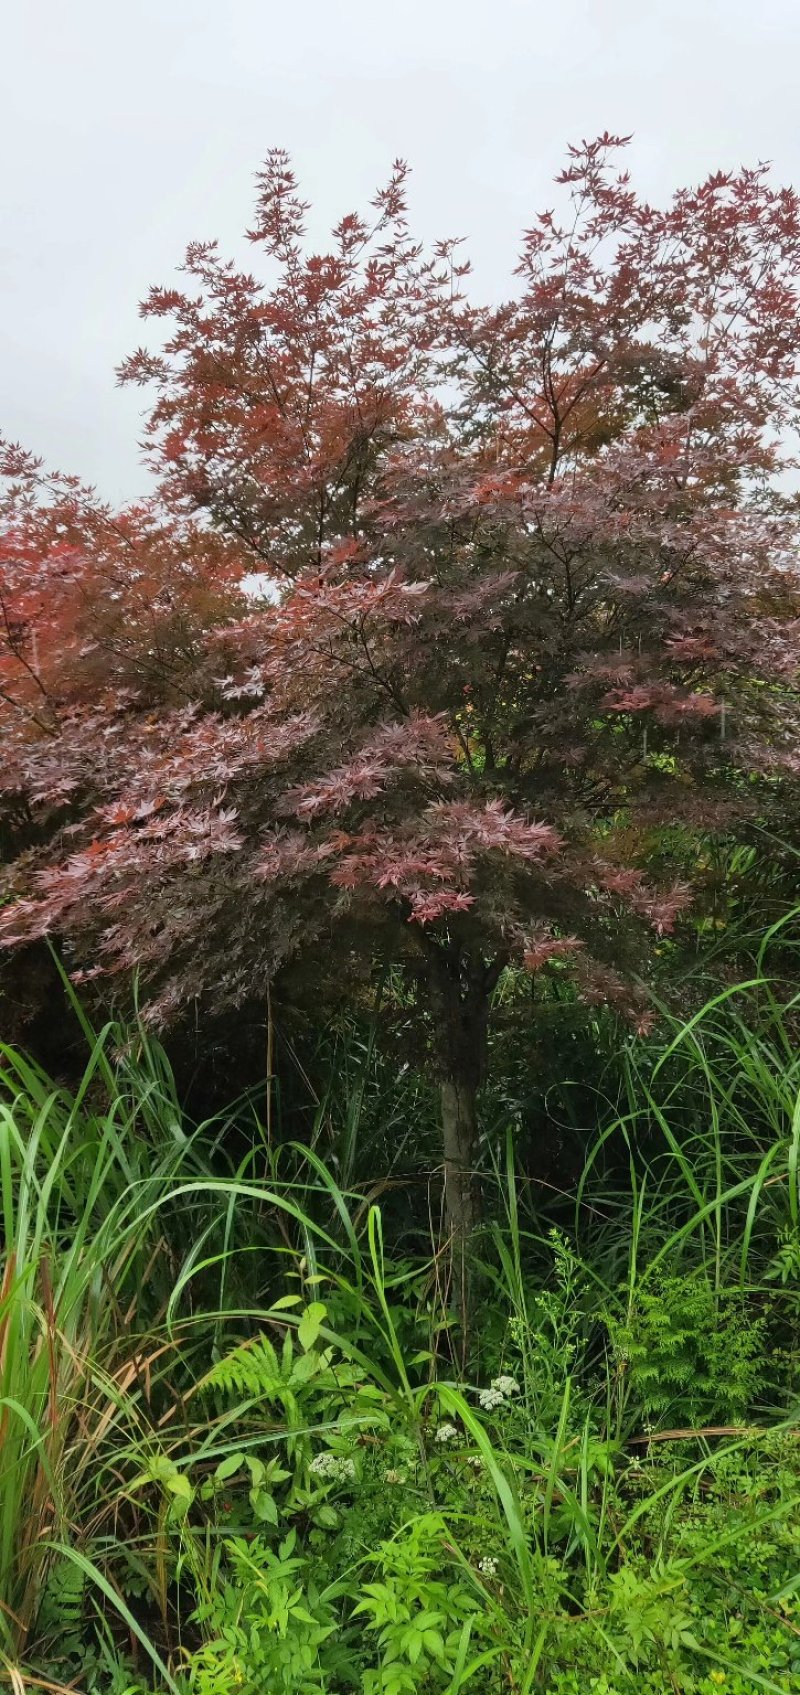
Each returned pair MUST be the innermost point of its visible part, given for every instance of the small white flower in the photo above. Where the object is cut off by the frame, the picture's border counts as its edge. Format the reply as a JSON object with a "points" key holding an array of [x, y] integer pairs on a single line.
{"points": [[446, 1433], [506, 1385], [475, 1461], [500, 1390], [488, 1566], [392, 1476], [337, 1468]]}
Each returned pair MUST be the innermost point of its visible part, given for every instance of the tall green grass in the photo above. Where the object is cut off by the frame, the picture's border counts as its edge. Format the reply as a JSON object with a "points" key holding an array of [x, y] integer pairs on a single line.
{"points": [[84, 1177], [703, 1165]]}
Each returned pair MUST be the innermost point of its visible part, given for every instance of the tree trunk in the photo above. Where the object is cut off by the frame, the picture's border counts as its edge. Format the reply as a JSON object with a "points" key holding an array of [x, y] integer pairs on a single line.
{"points": [[458, 1096], [459, 1143], [460, 985]]}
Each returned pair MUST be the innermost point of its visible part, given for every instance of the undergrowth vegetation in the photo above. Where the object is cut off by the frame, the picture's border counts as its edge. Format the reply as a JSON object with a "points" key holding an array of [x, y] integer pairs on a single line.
{"points": [[247, 1444]]}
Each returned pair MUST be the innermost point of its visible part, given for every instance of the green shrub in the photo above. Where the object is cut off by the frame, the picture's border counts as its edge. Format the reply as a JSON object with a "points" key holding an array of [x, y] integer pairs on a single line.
{"points": [[692, 1354]]}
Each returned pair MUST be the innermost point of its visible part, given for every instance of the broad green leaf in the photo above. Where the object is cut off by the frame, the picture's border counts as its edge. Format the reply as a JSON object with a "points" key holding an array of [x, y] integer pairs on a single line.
{"points": [[228, 1467], [311, 1323], [264, 1506]]}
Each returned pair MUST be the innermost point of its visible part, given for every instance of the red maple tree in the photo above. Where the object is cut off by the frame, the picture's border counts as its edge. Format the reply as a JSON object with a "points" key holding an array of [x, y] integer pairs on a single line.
{"points": [[526, 590]]}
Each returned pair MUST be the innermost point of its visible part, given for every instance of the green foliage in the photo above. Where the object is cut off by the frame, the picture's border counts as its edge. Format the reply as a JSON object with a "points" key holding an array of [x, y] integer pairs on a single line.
{"points": [[263, 1471], [81, 1187], [269, 1626], [692, 1354], [419, 1611]]}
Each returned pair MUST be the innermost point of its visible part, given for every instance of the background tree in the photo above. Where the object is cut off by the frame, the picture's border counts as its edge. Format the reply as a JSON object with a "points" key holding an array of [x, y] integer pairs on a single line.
{"points": [[531, 596]]}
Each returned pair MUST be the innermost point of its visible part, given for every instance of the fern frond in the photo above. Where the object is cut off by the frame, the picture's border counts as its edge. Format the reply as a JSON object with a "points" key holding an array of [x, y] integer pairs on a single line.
{"points": [[250, 1369]]}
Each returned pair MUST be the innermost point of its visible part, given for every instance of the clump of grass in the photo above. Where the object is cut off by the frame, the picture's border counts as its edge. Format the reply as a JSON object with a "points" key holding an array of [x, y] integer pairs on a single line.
{"points": [[84, 1179]]}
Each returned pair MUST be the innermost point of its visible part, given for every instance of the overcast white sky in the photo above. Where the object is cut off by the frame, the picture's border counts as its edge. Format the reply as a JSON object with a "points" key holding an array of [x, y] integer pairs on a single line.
{"points": [[130, 127]]}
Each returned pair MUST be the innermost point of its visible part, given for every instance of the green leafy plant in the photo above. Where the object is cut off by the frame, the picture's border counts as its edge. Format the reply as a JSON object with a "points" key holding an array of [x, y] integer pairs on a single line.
{"points": [[270, 1628], [419, 1608], [691, 1354]]}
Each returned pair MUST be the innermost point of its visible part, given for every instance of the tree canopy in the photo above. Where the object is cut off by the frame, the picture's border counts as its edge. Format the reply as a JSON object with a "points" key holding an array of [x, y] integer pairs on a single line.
{"points": [[525, 591]]}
